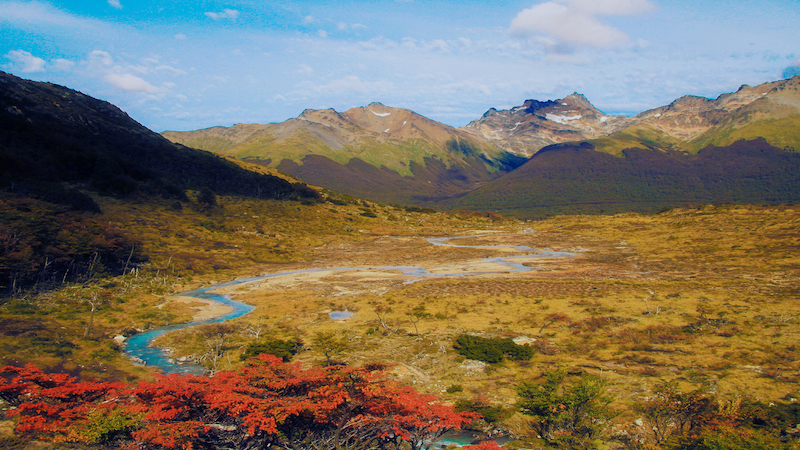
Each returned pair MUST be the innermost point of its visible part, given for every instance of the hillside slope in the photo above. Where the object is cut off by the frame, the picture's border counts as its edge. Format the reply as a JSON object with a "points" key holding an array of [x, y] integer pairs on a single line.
{"points": [[51, 134], [60, 150]]}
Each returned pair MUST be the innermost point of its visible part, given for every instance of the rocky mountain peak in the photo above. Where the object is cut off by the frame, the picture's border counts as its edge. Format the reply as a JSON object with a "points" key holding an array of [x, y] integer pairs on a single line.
{"points": [[535, 124]]}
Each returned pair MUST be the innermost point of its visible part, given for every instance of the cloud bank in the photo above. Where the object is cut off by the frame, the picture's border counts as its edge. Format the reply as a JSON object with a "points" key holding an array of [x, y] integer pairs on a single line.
{"points": [[559, 26], [27, 61]]}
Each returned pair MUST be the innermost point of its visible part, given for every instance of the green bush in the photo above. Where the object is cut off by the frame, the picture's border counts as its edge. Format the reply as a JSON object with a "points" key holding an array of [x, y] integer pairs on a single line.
{"points": [[280, 348], [491, 350]]}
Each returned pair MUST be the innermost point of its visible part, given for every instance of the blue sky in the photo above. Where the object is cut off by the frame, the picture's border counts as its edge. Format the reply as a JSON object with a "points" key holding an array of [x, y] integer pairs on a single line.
{"points": [[191, 65]]}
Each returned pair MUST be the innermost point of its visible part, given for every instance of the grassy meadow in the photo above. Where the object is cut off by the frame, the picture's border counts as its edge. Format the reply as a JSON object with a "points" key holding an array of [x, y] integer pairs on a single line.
{"points": [[706, 297]]}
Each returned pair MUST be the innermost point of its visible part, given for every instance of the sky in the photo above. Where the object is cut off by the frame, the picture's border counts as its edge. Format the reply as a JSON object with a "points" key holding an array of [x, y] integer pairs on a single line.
{"points": [[196, 64]]}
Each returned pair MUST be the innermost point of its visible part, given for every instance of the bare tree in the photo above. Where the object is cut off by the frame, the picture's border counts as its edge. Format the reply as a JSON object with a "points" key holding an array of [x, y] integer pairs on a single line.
{"points": [[215, 338], [95, 301], [416, 315]]}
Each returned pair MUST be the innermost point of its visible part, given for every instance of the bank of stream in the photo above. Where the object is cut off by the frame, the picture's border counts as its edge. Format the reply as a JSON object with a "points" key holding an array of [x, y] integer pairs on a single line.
{"points": [[139, 347]]}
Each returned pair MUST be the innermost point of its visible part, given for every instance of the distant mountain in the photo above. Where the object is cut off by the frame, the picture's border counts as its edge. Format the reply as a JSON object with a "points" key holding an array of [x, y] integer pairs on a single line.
{"points": [[770, 111], [658, 158], [689, 124], [377, 152], [526, 129]]}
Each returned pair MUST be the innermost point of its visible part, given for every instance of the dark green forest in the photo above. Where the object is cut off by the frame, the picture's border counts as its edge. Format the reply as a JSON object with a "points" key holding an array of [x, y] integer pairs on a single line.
{"points": [[575, 179]]}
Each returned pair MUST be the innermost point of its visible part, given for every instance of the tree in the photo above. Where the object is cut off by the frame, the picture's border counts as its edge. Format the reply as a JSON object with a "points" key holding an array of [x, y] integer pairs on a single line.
{"points": [[416, 315], [283, 349], [265, 404], [568, 414], [551, 319], [491, 350], [670, 411], [329, 344], [215, 338], [95, 301], [272, 404], [382, 310], [57, 407], [207, 197]]}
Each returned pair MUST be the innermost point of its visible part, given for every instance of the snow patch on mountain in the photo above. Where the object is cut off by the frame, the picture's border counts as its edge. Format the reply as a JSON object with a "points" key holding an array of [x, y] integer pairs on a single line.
{"points": [[561, 119], [379, 114]]}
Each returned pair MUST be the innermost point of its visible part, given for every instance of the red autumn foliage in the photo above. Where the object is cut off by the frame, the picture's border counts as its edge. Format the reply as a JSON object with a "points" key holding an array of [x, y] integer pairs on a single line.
{"points": [[485, 445], [53, 406], [267, 403]]}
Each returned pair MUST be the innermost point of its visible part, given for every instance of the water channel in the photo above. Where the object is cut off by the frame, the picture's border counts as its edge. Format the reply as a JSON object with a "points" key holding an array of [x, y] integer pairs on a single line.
{"points": [[139, 347]]}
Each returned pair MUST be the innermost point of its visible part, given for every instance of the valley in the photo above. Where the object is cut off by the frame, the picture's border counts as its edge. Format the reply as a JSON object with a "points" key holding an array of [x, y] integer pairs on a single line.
{"points": [[679, 287], [704, 297]]}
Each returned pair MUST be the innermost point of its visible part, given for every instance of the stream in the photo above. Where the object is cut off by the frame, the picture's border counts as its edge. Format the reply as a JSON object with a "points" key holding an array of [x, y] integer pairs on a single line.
{"points": [[139, 347]]}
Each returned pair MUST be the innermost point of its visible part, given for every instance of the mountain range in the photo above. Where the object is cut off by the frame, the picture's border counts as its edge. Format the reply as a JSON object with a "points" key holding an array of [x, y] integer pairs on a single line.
{"points": [[61, 151], [541, 157], [533, 160]]}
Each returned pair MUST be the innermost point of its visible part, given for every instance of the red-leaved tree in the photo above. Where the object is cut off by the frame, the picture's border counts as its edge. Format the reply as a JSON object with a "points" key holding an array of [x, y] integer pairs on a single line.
{"points": [[56, 406], [267, 403]]}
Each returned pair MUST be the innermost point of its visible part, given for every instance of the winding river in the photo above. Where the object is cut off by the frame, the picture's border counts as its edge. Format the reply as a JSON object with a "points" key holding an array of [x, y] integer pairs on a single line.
{"points": [[139, 347]]}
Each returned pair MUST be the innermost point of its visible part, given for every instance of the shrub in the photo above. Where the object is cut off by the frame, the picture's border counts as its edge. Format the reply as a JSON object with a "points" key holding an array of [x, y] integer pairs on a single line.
{"points": [[453, 388], [491, 350], [276, 347]]}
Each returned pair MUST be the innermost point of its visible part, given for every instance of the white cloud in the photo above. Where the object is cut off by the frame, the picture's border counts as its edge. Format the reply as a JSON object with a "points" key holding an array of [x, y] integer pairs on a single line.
{"points": [[28, 62], [63, 64], [322, 33], [35, 16], [307, 20], [559, 25], [225, 14], [342, 26], [99, 59], [305, 69], [170, 70], [180, 36], [115, 4], [131, 83]]}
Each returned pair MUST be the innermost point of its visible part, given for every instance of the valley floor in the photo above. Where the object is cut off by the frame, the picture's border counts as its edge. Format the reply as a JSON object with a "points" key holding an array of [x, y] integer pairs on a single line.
{"points": [[705, 297]]}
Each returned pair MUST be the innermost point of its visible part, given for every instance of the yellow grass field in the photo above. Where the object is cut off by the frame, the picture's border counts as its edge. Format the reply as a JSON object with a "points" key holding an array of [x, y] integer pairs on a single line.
{"points": [[707, 297]]}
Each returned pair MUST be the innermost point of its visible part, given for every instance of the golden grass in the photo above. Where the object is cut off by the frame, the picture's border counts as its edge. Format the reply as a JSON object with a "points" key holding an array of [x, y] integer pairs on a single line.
{"points": [[706, 297]]}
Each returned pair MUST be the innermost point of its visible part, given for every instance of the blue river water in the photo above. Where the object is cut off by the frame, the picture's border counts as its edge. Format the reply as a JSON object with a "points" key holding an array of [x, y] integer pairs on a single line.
{"points": [[139, 347]]}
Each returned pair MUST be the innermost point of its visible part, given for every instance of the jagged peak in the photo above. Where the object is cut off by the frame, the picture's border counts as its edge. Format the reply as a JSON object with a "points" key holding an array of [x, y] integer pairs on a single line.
{"points": [[576, 96], [314, 112], [580, 100]]}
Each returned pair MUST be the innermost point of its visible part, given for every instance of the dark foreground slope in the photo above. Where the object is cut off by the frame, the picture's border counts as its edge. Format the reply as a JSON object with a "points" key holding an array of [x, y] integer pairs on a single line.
{"points": [[59, 150], [50, 135], [574, 178]]}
